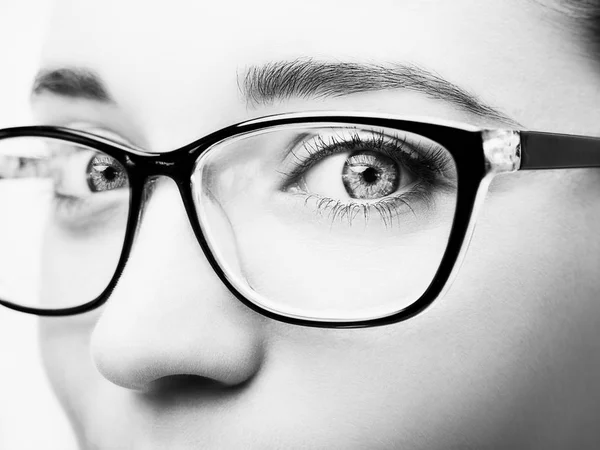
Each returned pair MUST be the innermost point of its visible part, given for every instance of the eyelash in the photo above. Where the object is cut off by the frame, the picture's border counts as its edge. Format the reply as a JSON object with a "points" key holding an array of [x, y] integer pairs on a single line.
{"points": [[429, 164]]}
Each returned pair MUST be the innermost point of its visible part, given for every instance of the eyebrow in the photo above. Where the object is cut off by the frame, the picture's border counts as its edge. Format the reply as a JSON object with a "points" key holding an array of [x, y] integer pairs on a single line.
{"points": [[301, 78], [76, 83], [308, 78]]}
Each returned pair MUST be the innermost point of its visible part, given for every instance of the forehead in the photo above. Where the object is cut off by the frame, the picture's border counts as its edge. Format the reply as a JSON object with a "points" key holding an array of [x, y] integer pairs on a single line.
{"points": [[213, 38], [167, 63]]}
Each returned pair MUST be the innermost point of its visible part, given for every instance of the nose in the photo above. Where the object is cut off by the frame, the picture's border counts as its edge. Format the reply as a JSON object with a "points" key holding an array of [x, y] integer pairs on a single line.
{"points": [[170, 314]]}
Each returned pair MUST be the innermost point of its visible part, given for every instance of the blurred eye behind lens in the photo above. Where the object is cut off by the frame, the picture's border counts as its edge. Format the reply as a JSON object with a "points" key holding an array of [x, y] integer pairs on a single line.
{"points": [[80, 172], [64, 208], [89, 187], [328, 221], [105, 174]]}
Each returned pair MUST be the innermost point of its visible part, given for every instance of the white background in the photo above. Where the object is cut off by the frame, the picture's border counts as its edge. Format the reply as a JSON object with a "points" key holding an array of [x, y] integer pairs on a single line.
{"points": [[30, 418]]}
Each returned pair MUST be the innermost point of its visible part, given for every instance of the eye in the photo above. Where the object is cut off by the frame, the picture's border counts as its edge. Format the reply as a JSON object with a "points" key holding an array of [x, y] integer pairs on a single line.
{"points": [[363, 167], [351, 172], [89, 188], [361, 175], [80, 172]]}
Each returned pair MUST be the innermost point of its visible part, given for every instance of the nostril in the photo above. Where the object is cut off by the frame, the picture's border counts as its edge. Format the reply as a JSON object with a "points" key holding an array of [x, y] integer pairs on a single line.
{"points": [[177, 389], [187, 382]]}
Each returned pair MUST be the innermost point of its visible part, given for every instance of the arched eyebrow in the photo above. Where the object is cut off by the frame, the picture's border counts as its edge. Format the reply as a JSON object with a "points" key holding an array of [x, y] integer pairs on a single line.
{"points": [[309, 78], [303, 78]]}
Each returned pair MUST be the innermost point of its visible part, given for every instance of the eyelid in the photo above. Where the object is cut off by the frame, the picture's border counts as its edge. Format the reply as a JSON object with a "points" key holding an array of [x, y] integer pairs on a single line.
{"points": [[100, 131], [66, 181]]}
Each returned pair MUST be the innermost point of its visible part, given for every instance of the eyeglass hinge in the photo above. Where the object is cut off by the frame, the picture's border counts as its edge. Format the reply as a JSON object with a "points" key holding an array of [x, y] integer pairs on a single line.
{"points": [[502, 150]]}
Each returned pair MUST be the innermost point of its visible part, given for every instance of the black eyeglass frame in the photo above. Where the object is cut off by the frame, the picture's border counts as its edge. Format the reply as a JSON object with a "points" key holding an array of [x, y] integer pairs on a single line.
{"points": [[478, 155]]}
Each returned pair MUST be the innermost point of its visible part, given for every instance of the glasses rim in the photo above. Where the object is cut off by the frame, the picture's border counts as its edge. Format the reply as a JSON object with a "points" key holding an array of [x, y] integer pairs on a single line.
{"points": [[479, 154]]}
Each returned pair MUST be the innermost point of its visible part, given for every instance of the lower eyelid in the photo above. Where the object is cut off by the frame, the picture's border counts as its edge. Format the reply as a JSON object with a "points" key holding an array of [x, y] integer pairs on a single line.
{"points": [[96, 215], [388, 208]]}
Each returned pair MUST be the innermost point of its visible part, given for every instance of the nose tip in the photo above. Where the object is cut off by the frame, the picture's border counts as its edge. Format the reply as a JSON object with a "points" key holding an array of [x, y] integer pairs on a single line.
{"points": [[150, 361]]}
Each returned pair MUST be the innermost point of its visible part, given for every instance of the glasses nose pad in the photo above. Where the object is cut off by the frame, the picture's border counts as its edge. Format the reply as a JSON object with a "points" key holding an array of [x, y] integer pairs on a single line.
{"points": [[221, 240], [147, 191], [218, 231]]}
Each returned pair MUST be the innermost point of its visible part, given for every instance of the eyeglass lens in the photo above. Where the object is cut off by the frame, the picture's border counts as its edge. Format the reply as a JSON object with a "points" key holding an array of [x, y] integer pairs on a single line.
{"points": [[328, 221], [64, 213]]}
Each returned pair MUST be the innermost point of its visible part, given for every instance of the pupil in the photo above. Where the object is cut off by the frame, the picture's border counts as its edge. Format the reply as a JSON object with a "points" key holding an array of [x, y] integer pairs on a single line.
{"points": [[370, 175], [109, 173]]}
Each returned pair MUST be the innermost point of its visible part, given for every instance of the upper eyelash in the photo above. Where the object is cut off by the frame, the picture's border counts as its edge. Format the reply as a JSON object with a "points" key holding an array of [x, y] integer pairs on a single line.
{"points": [[423, 162], [323, 150]]}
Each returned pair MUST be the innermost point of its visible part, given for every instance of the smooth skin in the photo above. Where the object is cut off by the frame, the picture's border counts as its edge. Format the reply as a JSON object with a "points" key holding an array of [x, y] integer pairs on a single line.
{"points": [[509, 358]]}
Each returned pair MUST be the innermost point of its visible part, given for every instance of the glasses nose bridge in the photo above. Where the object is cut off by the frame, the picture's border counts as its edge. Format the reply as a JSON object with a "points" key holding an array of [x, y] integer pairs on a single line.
{"points": [[173, 165], [177, 166]]}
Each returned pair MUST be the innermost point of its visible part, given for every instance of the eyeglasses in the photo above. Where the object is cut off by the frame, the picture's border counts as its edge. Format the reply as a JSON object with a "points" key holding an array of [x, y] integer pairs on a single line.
{"points": [[319, 219]]}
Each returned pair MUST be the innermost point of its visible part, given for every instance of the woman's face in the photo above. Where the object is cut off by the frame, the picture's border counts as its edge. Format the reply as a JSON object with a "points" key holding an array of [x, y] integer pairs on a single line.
{"points": [[507, 358]]}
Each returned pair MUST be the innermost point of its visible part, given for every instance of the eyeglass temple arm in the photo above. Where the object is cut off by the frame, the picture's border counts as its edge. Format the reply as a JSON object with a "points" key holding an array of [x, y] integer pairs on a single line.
{"points": [[558, 151]]}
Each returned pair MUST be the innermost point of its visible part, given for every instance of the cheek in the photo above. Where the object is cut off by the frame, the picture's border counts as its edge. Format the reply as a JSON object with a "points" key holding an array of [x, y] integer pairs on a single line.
{"points": [[536, 242], [419, 385], [316, 269], [500, 355], [305, 260], [89, 401], [65, 356], [78, 266], [530, 275]]}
